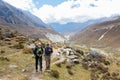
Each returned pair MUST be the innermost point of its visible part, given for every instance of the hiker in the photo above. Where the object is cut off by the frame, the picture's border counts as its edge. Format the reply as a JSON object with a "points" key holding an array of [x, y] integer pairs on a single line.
{"points": [[48, 52], [38, 51]]}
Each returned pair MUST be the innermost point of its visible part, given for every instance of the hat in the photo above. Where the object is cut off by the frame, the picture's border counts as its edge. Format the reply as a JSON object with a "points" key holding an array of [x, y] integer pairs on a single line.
{"points": [[39, 43]]}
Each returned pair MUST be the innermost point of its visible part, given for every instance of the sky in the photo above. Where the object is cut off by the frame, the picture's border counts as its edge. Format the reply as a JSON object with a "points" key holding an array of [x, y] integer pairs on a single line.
{"points": [[66, 11]]}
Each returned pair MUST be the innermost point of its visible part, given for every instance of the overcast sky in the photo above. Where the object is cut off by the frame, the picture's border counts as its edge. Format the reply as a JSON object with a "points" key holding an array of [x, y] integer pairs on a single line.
{"points": [[64, 11]]}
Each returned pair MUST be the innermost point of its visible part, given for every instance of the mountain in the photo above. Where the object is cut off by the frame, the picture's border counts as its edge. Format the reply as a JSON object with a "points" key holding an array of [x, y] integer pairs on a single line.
{"points": [[103, 34], [25, 23], [75, 26]]}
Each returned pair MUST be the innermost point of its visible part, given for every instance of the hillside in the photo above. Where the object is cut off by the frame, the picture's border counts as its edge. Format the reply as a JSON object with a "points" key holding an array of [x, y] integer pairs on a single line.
{"points": [[104, 34], [13, 15], [17, 61], [24, 22]]}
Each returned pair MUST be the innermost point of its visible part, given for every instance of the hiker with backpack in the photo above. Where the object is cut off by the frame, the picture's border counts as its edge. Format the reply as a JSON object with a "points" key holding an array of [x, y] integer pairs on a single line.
{"points": [[48, 52], [38, 51]]}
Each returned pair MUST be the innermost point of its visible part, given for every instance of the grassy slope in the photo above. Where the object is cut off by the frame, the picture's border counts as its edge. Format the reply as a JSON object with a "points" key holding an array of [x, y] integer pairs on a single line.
{"points": [[79, 73], [23, 62]]}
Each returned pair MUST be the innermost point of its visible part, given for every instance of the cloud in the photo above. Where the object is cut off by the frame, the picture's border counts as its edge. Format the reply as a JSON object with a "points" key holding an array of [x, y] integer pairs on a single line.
{"points": [[22, 4], [78, 11], [70, 10]]}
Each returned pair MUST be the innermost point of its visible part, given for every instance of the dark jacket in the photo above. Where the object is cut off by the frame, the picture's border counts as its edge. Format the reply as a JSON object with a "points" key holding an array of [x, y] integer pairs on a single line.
{"points": [[35, 51], [48, 50]]}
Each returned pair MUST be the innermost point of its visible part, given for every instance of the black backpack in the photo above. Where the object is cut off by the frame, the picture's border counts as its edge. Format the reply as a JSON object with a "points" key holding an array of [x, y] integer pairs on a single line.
{"points": [[48, 50]]}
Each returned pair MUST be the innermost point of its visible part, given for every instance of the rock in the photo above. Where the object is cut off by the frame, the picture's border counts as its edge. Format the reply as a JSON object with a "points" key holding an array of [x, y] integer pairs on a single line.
{"points": [[70, 72], [94, 54], [73, 57], [24, 70], [76, 61], [54, 73], [102, 68], [7, 39], [69, 66], [13, 66], [115, 73], [31, 46], [79, 51]]}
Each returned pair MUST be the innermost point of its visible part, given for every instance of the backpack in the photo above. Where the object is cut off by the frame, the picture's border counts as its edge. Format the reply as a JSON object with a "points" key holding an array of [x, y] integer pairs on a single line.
{"points": [[37, 51], [48, 50], [34, 50]]}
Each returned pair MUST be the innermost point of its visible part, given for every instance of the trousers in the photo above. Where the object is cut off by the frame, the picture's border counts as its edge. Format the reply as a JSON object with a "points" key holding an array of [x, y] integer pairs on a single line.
{"points": [[38, 62]]}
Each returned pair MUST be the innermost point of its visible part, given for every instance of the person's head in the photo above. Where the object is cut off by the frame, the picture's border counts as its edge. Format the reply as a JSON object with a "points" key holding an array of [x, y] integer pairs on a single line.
{"points": [[39, 45], [47, 44]]}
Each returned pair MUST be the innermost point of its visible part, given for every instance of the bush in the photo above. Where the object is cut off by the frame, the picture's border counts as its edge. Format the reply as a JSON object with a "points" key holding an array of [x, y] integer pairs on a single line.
{"points": [[70, 71], [69, 66], [4, 58], [2, 51], [27, 50], [54, 73], [58, 64], [106, 62], [18, 46]]}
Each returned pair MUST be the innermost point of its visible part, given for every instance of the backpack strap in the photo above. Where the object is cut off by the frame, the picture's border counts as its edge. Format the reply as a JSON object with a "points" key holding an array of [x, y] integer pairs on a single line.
{"points": [[39, 51]]}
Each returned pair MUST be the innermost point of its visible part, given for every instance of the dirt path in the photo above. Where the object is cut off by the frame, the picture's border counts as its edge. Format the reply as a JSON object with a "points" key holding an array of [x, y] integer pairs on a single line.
{"points": [[38, 75]]}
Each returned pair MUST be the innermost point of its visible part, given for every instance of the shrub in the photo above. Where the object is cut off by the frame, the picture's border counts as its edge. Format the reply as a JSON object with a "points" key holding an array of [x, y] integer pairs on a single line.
{"points": [[106, 62], [58, 64], [69, 66], [70, 71], [18, 46], [27, 50], [4, 58], [2, 51], [54, 73]]}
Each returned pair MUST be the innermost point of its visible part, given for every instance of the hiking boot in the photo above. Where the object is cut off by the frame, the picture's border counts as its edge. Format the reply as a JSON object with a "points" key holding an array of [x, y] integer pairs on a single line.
{"points": [[36, 70], [40, 69]]}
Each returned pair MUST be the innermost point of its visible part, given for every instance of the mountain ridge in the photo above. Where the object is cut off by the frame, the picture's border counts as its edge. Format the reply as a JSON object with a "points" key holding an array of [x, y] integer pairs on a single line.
{"points": [[24, 22], [104, 34]]}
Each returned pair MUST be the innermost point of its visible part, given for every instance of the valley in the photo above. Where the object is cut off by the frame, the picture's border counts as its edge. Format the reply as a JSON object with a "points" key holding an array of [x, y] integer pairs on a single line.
{"points": [[81, 51]]}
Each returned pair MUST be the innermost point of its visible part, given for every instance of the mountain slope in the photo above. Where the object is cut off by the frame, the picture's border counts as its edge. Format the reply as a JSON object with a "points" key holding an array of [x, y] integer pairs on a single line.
{"points": [[24, 22], [104, 34], [13, 15]]}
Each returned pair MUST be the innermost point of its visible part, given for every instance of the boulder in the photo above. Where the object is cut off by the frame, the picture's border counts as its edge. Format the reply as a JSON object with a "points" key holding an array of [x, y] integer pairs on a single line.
{"points": [[94, 54], [79, 51], [73, 57], [76, 61], [7, 39]]}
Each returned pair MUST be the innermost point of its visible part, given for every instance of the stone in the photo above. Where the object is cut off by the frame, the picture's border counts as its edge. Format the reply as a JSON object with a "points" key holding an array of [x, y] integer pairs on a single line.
{"points": [[7, 39], [76, 61], [13, 66], [73, 57]]}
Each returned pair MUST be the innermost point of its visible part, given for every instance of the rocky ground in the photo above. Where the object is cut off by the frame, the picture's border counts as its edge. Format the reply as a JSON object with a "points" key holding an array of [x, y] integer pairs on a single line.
{"points": [[99, 63], [68, 63]]}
